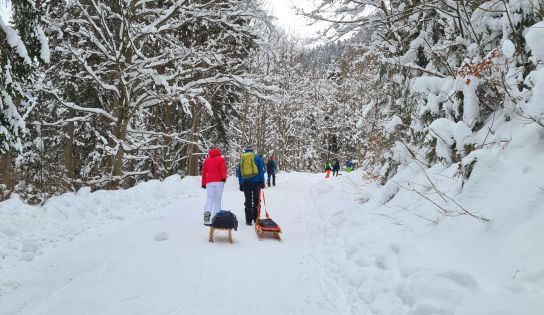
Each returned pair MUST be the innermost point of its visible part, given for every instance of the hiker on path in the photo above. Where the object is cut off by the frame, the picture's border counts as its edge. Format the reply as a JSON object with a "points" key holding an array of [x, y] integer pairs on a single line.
{"points": [[251, 179], [214, 176], [328, 168], [335, 168], [349, 165], [271, 168]]}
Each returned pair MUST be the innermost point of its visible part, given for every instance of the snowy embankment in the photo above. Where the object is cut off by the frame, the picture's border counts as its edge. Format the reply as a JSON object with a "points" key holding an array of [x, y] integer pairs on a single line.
{"points": [[382, 249], [26, 231]]}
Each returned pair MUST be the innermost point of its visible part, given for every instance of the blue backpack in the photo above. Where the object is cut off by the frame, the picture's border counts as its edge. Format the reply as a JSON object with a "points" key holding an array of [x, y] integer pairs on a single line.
{"points": [[225, 219]]}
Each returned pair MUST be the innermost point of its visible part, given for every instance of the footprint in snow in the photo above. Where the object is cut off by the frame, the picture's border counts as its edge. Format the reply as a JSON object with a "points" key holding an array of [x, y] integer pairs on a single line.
{"points": [[161, 236]]}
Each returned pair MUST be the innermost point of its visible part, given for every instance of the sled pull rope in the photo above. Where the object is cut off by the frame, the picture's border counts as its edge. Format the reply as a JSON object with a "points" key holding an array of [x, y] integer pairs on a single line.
{"points": [[264, 202]]}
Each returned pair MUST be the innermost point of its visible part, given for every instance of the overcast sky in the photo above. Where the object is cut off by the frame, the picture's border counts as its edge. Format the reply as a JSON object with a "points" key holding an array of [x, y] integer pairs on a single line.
{"points": [[287, 18], [282, 9]]}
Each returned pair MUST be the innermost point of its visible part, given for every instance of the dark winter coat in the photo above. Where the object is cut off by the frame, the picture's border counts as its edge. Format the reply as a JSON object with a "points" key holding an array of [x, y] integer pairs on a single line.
{"points": [[336, 166], [271, 167]]}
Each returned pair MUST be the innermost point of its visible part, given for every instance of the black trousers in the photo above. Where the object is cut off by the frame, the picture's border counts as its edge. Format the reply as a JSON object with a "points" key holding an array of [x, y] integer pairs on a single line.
{"points": [[251, 192], [273, 175]]}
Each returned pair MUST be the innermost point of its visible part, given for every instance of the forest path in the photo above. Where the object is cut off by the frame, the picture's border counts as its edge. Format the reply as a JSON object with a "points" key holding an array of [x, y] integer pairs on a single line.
{"points": [[123, 270]]}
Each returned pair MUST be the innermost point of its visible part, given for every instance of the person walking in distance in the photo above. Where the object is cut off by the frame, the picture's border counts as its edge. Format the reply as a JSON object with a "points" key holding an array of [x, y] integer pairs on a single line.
{"points": [[250, 173], [271, 168], [335, 168], [349, 165], [328, 168], [214, 176]]}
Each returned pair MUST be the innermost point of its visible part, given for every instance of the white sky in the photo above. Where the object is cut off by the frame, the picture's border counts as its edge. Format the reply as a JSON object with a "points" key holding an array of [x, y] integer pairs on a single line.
{"points": [[288, 20], [281, 9]]}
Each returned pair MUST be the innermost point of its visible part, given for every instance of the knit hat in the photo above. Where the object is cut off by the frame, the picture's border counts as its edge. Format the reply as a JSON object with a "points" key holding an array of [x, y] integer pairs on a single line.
{"points": [[248, 148]]}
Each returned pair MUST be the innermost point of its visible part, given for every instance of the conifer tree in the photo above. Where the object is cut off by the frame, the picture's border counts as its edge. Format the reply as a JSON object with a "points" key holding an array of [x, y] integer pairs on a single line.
{"points": [[24, 48]]}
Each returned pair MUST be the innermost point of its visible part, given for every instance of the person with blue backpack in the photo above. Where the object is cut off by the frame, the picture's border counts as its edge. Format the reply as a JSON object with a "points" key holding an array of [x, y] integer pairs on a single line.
{"points": [[349, 165], [250, 173]]}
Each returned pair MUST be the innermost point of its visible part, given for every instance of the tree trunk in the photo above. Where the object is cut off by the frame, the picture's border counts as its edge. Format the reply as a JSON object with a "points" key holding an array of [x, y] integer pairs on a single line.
{"points": [[166, 151], [7, 176], [261, 136], [119, 131], [192, 157], [69, 159], [120, 134], [245, 138]]}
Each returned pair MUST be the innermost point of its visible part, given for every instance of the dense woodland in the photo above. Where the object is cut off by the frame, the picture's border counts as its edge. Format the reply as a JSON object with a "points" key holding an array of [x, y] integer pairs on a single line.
{"points": [[110, 93]]}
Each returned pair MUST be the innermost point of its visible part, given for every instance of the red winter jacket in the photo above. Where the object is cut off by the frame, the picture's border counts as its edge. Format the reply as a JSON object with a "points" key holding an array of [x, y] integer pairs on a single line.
{"points": [[214, 168]]}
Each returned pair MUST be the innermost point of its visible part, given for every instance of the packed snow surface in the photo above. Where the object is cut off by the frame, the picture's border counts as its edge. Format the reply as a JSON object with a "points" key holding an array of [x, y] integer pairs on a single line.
{"points": [[96, 253], [161, 236], [349, 246]]}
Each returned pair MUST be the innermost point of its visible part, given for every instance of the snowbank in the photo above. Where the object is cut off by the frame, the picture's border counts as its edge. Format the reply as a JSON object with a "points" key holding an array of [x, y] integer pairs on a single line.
{"points": [[27, 231], [534, 41], [392, 251]]}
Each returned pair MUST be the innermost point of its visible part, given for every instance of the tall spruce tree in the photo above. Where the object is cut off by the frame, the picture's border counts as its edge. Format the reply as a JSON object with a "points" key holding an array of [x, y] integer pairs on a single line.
{"points": [[24, 48]]}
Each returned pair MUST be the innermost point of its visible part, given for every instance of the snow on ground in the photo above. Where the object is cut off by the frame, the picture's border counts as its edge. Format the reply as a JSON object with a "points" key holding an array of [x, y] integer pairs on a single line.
{"points": [[349, 246], [115, 265]]}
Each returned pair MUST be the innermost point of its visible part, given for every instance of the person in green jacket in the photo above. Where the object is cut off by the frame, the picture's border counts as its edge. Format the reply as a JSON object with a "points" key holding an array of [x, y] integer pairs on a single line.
{"points": [[328, 168]]}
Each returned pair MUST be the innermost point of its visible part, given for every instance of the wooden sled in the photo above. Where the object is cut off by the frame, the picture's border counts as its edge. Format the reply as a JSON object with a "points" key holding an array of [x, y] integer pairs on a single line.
{"points": [[260, 229], [212, 232]]}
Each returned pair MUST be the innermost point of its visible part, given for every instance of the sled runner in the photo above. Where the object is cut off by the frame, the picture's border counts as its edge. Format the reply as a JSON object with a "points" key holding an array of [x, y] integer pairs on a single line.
{"points": [[223, 221], [266, 225], [212, 232]]}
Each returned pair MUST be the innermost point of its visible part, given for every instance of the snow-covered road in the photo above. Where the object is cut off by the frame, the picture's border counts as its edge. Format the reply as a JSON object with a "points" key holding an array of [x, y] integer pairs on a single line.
{"points": [[121, 269]]}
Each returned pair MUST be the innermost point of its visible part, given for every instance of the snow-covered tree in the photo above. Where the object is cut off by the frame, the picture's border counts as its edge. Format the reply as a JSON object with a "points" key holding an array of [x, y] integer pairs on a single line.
{"points": [[442, 67], [24, 47], [134, 71]]}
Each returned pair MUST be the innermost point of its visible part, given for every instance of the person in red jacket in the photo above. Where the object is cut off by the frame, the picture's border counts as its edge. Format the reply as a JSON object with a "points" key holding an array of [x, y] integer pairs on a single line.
{"points": [[214, 176]]}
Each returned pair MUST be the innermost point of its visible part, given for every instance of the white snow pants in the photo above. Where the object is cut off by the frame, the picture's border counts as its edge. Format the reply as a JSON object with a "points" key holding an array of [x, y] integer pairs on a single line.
{"points": [[213, 203]]}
